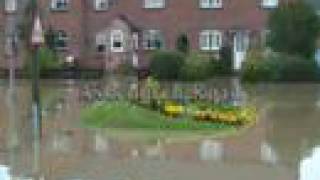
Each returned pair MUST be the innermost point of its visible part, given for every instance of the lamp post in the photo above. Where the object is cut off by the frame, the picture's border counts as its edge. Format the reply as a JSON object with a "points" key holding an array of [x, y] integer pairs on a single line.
{"points": [[36, 40]]}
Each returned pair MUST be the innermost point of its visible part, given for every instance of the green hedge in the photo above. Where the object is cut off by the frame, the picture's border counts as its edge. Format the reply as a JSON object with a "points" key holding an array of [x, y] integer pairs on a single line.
{"points": [[189, 67], [278, 67], [196, 67], [166, 64]]}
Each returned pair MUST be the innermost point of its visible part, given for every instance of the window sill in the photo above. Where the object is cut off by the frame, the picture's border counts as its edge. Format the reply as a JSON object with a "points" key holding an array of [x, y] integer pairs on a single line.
{"points": [[211, 8], [100, 10], [269, 7], [117, 51], [59, 10], [10, 12], [210, 50], [154, 8]]}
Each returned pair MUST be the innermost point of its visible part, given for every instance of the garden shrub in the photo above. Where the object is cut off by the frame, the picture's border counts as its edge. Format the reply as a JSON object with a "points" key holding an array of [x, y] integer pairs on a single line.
{"points": [[260, 66], [298, 69], [48, 60], [166, 64], [196, 67]]}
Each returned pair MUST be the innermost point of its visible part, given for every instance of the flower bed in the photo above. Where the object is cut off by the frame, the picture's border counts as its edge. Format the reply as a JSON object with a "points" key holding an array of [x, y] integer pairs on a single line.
{"points": [[123, 114]]}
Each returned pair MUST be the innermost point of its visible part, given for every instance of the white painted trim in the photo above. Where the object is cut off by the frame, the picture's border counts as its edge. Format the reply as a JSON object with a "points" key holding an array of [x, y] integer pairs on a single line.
{"points": [[113, 34]]}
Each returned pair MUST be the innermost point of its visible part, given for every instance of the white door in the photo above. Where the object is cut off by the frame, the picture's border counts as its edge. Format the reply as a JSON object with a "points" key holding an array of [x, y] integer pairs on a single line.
{"points": [[240, 47]]}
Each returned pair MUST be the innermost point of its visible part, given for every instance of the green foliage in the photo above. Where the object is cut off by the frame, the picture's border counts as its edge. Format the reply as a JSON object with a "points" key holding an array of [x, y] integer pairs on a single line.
{"points": [[278, 67], [48, 60], [294, 29], [166, 64], [126, 69], [196, 67], [182, 44]]}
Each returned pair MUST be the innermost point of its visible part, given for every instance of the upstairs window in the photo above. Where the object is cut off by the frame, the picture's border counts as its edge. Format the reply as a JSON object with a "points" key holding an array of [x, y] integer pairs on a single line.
{"points": [[153, 39], [210, 40], [101, 5], [117, 41], [270, 3], [61, 40], [59, 5], [154, 4], [10, 6], [211, 4]]}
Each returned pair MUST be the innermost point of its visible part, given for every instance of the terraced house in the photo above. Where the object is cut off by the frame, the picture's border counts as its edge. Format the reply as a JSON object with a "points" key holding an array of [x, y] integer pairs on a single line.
{"points": [[106, 33]]}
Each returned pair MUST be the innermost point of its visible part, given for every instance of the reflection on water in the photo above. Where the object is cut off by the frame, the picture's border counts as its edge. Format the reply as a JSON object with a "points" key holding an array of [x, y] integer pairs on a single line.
{"points": [[211, 150], [284, 145], [4, 173], [309, 167], [268, 154]]}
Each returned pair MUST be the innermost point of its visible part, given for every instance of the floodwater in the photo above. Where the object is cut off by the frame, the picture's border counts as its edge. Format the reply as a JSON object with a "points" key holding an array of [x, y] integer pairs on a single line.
{"points": [[284, 145]]}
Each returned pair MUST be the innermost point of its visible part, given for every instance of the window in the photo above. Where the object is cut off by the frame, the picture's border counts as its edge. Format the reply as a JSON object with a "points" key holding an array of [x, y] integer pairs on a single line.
{"points": [[210, 40], [116, 41], [10, 6], [153, 39], [270, 3], [208, 4], [153, 4], [59, 5], [61, 40], [101, 42], [101, 5]]}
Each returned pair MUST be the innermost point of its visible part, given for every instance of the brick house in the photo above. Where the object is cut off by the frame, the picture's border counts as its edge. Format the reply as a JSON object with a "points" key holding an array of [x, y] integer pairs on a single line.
{"points": [[101, 34]]}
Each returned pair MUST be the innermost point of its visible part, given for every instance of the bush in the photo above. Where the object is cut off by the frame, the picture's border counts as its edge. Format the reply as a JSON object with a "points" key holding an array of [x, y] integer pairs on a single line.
{"points": [[278, 67], [196, 67], [126, 68], [166, 64], [48, 60]]}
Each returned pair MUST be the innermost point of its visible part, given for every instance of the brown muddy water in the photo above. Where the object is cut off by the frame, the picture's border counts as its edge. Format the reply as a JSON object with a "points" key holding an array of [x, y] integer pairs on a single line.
{"points": [[283, 145]]}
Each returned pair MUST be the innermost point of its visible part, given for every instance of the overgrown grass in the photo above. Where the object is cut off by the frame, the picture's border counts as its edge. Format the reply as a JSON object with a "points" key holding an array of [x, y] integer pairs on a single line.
{"points": [[122, 114]]}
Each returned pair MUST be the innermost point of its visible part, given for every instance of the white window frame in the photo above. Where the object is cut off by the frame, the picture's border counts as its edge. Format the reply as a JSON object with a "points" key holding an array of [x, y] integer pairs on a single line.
{"points": [[113, 34], [62, 38], [54, 5], [211, 4], [154, 4], [269, 4], [210, 40], [10, 6], [150, 36], [101, 5]]}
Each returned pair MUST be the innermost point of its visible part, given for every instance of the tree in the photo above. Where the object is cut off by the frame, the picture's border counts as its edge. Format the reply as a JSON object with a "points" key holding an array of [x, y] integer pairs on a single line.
{"points": [[294, 29], [182, 44], [50, 38]]}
